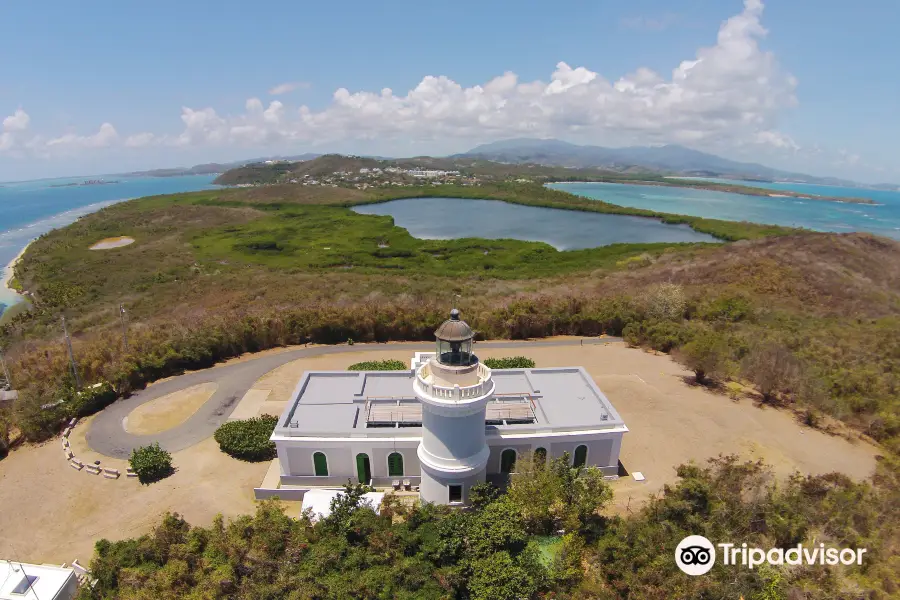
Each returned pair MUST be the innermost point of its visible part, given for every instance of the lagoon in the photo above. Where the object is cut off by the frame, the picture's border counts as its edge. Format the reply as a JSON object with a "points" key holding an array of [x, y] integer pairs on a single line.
{"points": [[454, 218]]}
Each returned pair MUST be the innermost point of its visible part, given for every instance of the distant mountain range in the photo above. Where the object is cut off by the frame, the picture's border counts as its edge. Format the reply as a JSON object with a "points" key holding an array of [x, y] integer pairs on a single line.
{"points": [[665, 160], [672, 159]]}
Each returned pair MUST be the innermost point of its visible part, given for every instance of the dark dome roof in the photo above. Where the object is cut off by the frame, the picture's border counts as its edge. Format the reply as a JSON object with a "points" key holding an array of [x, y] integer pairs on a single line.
{"points": [[454, 330]]}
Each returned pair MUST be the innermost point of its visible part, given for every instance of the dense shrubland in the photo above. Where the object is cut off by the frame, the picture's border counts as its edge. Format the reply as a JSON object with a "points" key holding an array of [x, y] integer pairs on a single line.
{"points": [[844, 367], [509, 546]]}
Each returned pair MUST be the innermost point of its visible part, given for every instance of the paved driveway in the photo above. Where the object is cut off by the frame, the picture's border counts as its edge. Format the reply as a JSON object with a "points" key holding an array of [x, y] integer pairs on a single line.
{"points": [[108, 436]]}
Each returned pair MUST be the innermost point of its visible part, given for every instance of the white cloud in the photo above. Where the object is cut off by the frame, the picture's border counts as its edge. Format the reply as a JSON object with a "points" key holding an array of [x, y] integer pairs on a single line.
{"points": [[776, 139], [18, 121], [732, 92], [847, 158], [730, 95], [104, 137], [290, 86], [140, 140]]}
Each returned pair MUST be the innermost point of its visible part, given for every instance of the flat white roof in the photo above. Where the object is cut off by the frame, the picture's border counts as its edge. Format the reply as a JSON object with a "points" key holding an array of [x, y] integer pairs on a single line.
{"points": [[46, 581], [337, 403]]}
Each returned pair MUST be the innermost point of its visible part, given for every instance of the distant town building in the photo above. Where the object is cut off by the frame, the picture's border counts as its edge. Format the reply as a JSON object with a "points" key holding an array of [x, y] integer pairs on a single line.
{"points": [[24, 581], [423, 173], [443, 425], [363, 171]]}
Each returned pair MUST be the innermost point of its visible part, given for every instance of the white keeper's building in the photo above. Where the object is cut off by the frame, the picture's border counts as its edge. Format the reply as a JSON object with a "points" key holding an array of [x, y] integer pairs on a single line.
{"points": [[443, 425]]}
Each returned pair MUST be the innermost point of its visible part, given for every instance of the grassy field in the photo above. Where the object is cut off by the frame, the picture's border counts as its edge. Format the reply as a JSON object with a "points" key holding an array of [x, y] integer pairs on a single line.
{"points": [[191, 245]]}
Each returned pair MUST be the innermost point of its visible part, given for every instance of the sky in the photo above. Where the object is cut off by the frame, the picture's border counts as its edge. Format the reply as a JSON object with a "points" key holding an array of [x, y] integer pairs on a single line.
{"points": [[105, 87]]}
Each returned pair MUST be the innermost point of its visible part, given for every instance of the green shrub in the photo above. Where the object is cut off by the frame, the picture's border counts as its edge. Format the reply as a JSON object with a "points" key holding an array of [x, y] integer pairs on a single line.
{"points": [[92, 399], [389, 364], [151, 463], [248, 439], [707, 355], [659, 335], [509, 362], [731, 309]]}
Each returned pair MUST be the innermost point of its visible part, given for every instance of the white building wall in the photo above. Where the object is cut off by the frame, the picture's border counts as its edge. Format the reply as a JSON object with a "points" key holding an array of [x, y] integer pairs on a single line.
{"points": [[523, 450], [298, 468], [296, 456]]}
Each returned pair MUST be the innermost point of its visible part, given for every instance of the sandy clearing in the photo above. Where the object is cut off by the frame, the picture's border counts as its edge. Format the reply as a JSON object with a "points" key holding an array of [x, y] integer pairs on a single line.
{"points": [[113, 242], [168, 411], [670, 422], [59, 513]]}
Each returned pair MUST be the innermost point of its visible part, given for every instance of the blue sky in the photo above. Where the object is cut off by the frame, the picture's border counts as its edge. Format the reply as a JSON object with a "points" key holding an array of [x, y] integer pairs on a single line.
{"points": [[106, 86]]}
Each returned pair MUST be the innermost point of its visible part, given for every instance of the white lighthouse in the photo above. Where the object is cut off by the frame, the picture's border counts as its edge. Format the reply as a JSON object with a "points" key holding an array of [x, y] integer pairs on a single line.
{"points": [[454, 389]]}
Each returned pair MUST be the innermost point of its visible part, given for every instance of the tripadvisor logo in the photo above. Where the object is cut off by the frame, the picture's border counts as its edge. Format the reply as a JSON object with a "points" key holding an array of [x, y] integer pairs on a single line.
{"points": [[696, 555]]}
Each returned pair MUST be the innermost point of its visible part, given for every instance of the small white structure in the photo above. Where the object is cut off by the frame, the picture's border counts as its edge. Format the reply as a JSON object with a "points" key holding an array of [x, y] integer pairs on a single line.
{"points": [[318, 502], [23, 581], [443, 425]]}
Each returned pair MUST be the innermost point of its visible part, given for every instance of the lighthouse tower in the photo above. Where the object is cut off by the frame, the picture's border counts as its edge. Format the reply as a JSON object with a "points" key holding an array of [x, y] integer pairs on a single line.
{"points": [[454, 389]]}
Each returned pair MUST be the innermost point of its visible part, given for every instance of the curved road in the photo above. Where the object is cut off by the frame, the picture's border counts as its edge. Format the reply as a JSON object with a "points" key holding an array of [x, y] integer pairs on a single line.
{"points": [[108, 436]]}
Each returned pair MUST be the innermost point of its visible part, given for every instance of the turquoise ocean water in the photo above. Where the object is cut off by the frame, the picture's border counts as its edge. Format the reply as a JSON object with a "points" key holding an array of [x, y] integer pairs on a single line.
{"points": [[882, 218], [31, 208]]}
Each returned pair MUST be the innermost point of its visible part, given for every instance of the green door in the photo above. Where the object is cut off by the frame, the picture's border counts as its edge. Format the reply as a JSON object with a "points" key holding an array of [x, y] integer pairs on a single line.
{"points": [[363, 470], [508, 461], [321, 464], [395, 464], [580, 455]]}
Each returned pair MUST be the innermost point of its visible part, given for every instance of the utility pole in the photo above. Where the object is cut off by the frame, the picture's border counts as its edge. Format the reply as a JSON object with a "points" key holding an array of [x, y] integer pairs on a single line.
{"points": [[124, 326], [5, 372], [71, 354]]}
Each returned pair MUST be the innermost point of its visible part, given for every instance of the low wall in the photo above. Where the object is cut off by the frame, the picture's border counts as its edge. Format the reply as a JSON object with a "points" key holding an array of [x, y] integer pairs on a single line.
{"points": [[290, 494]]}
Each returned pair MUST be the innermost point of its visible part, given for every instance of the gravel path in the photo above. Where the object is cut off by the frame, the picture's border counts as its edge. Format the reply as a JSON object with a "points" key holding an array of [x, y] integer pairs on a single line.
{"points": [[108, 436]]}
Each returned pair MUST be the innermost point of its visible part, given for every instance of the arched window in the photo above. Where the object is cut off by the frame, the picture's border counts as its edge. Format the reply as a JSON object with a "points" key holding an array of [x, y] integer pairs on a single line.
{"points": [[540, 456], [363, 468], [321, 464], [508, 461], [580, 456], [395, 464]]}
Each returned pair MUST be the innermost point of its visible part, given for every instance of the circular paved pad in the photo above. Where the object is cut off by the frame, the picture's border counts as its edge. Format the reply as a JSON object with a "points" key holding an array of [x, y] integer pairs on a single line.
{"points": [[108, 436]]}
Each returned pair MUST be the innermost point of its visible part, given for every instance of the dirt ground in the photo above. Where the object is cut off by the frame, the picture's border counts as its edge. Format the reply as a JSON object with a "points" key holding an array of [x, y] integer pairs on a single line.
{"points": [[168, 411], [670, 422], [52, 513]]}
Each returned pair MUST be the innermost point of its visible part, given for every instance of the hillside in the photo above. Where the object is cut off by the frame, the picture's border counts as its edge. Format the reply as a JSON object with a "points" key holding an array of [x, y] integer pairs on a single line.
{"points": [[662, 159], [212, 168], [362, 173]]}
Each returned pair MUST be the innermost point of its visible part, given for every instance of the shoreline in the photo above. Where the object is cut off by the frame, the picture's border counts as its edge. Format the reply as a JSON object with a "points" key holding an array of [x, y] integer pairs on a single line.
{"points": [[10, 271], [743, 190]]}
